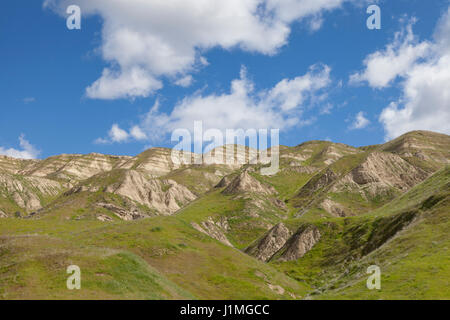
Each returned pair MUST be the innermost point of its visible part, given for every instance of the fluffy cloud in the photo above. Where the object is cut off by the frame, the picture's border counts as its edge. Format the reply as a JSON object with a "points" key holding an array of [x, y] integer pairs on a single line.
{"points": [[426, 101], [383, 67], [137, 133], [116, 134], [119, 135], [145, 41], [184, 81], [424, 68], [291, 10], [360, 121], [289, 94], [243, 107], [132, 83], [28, 151]]}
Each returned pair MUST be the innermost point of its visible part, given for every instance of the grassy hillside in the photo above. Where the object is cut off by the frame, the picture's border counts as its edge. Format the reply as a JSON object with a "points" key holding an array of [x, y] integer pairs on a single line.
{"points": [[146, 228], [407, 239], [151, 258]]}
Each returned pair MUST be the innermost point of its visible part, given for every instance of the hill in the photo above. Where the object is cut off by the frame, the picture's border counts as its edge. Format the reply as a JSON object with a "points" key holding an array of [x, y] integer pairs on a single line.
{"points": [[146, 227]]}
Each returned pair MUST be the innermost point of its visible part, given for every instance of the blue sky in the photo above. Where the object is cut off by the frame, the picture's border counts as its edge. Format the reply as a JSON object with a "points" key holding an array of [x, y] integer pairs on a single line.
{"points": [[47, 69]]}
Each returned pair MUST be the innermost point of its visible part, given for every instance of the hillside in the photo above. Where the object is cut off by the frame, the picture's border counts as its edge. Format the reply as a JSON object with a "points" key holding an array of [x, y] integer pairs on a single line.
{"points": [[145, 227]]}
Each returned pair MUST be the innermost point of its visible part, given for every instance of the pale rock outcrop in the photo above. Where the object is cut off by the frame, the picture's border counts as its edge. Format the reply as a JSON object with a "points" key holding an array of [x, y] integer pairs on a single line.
{"points": [[279, 243], [276, 288], [104, 218], [331, 154], [336, 151], [3, 215], [230, 156], [334, 208], [127, 215], [165, 196], [380, 172], [270, 244], [223, 223], [213, 229], [75, 167], [158, 162], [425, 145], [26, 192], [245, 183], [161, 161], [328, 154], [300, 243], [224, 182], [15, 166], [297, 157]]}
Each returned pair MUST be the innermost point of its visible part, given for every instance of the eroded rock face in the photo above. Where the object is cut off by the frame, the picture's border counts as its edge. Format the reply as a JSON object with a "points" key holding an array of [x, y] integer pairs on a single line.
{"points": [[270, 244], [279, 243], [300, 243], [324, 153], [214, 229], [26, 192], [335, 208], [276, 288], [379, 172], [224, 182], [3, 215], [75, 167], [230, 156], [15, 166], [425, 145], [104, 218], [165, 196], [157, 161], [245, 183], [331, 154], [127, 215]]}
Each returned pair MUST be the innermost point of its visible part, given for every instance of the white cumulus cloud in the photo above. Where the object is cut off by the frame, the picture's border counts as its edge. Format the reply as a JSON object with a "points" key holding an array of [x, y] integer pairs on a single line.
{"points": [[119, 135], [147, 41], [184, 81], [360, 121], [424, 71], [243, 107], [397, 59], [115, 134], [137, 133], [132, 83], [27, 151]]}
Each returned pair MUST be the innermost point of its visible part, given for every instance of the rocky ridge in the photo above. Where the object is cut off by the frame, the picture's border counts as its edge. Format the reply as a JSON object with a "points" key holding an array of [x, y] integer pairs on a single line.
{"points": [[281, 245]]}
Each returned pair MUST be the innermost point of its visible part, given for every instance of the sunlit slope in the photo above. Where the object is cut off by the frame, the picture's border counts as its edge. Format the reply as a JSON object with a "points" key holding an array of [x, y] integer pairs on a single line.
{"points": [[157, 258], [407, 238]]}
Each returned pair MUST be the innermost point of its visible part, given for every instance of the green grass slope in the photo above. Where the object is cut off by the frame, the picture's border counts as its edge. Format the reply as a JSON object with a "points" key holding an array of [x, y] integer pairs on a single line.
{"points": [[157, 258], [407, 238]]}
